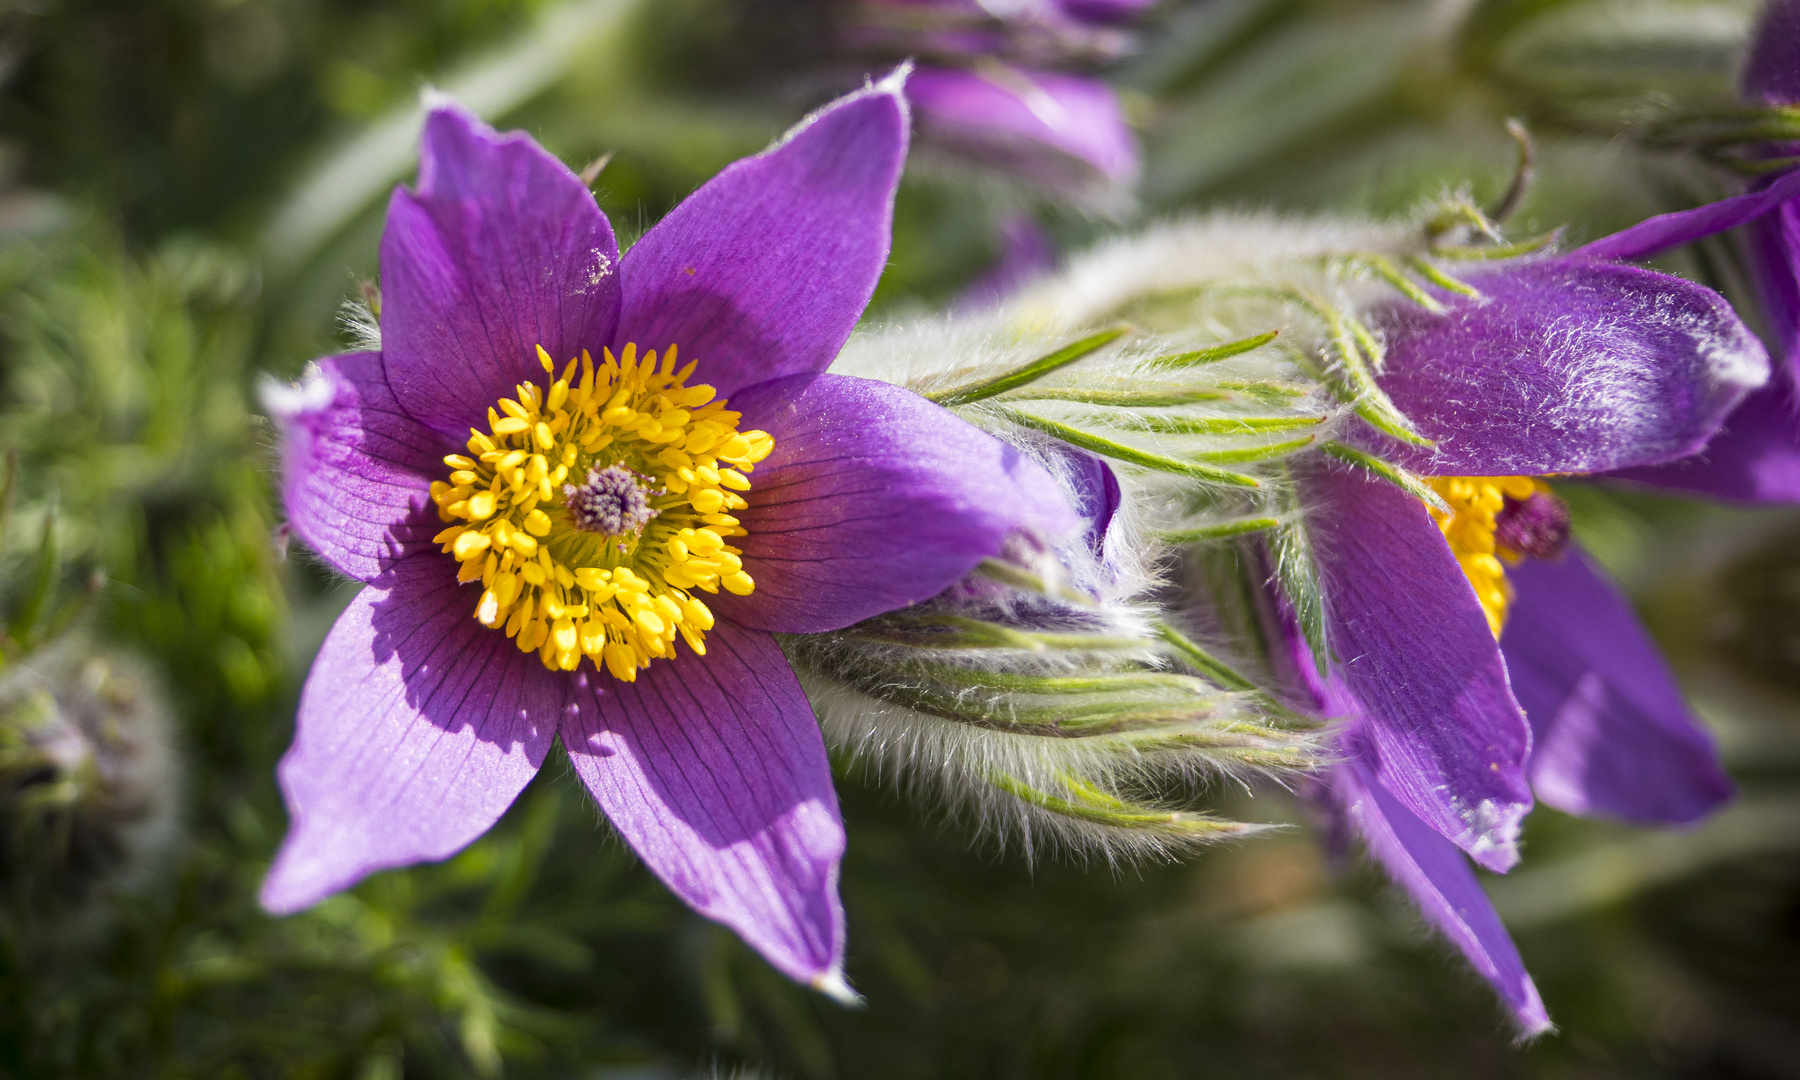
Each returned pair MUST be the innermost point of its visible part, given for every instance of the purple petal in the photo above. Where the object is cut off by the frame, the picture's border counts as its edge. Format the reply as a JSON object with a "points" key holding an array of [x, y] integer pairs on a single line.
{"points": [[874, 499], [1416, 669], [1567, 365], [1773, 245], [1448, 894], [1104, 12], [714, 771], [417, 729], [1772, 73], [1755, 458], [1063, 131], [764, 270], [1096, 492], [1664, 231], [498, 250], [1611, 732], [356, 469], [1026, 253]]}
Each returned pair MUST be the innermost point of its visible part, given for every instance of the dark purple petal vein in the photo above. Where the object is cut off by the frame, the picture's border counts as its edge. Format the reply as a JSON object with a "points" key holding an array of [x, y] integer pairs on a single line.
{"points": [[499, 249], [714, 771], [418, 727], [874, 498], [356, 468]]}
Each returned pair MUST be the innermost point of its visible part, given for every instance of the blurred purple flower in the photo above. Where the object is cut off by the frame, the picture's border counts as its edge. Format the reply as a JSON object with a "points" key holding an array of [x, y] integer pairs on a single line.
{"points": [[418, 724], [1757, 456], [1004, 85], [1565, 365], [1026, 253]]}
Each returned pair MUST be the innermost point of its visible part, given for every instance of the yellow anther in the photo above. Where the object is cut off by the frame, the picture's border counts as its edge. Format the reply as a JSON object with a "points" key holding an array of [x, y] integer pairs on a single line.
{"points": [[762, 444], [593, 636], [569, 594], [621, 660], [1475, 502], [506, 588], [696, 614], [468, 545]]}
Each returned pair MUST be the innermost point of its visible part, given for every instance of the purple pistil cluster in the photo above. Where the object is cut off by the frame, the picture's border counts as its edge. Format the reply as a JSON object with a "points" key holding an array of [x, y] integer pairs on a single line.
{"points": [[1536, 526], [613, 501]]}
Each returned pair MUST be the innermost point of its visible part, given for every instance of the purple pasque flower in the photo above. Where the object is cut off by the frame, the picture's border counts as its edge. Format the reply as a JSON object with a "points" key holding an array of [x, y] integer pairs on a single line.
{"points": [[1064, 132], [1564, 365], [1757, 456], [1006, 85], [556, 454]]}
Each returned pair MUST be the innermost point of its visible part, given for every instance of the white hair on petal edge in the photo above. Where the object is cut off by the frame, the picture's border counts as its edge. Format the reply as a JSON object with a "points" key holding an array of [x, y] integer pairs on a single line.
{"points": [[360, 324]]}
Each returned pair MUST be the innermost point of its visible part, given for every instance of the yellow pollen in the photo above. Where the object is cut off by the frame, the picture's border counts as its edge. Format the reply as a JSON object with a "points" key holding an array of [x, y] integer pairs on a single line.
{"points": [[1469, 529], [550, 580]]}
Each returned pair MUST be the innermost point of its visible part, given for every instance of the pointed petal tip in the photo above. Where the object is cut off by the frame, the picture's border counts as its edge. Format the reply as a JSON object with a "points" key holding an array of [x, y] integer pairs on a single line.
{"points": [[891, 86], [282, 400], [834, 986], [1530, 1017], [277, 898], [1495, 828], [433, 100], [289, 888], [1534, 1026], [894, 82]]}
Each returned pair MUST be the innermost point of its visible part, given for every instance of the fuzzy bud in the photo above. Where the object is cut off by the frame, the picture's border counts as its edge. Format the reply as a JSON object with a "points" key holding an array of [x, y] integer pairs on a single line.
{"points": [[89, 781]]}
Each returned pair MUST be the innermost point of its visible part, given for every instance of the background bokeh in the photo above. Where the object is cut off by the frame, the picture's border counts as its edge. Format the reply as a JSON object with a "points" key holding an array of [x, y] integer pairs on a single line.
{"points": [[189, 189]]}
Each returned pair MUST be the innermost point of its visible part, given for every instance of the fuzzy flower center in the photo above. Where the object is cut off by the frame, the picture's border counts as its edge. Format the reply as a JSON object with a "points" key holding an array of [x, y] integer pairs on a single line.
{"points": [[1495, 520], [593, 511], [612, 501]]}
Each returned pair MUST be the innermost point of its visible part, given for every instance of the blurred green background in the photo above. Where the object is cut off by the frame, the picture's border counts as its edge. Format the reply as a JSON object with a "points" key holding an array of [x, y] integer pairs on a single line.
{"points": [[188, 191]]}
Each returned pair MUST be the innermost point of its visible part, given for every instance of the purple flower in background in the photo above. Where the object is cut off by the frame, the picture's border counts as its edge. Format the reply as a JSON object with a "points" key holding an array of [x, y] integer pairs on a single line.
{"points": [[1005, 85], [1565, 365], [1757, 457], [1026, 253], [537, 507]]}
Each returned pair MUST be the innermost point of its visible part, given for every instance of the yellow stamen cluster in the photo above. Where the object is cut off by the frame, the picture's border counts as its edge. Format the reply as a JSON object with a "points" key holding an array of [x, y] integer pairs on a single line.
{"points": [[565, 590], [1469, 527]]}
